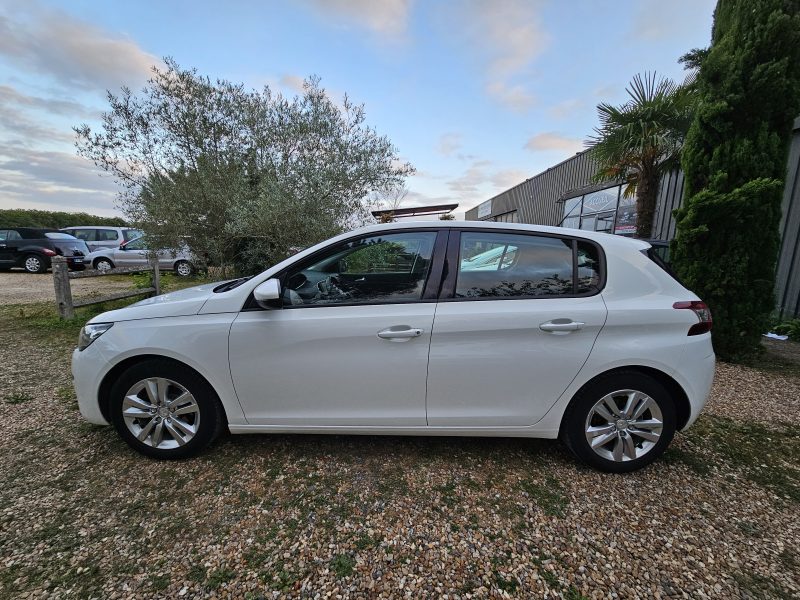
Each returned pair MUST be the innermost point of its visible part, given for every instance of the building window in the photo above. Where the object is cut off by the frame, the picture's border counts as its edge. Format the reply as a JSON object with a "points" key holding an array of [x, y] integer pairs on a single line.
{"points": [[509, 217], [602, 210]]}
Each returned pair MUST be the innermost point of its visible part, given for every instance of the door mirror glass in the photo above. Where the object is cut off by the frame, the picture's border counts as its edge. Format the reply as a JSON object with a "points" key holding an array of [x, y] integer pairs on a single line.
{"points": [[267, 292]]}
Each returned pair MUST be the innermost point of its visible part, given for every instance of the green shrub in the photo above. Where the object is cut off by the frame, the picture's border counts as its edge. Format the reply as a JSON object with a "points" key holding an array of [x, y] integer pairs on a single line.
{"points": [[790, 328]]}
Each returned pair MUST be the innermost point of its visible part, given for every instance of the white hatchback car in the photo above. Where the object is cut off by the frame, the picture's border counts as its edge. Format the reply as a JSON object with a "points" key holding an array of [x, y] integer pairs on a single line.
{"points": [[387, 330]]}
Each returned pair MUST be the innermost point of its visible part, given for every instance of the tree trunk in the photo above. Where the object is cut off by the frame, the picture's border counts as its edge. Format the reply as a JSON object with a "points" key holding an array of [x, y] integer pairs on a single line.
{"points": [[646, 196]]}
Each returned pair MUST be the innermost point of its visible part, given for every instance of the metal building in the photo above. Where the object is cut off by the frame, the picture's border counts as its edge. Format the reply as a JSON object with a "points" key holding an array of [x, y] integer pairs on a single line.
{"points": [[564, 195]]}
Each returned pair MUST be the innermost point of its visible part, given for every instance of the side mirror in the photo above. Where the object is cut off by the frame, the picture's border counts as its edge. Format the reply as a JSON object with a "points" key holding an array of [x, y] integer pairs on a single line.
{"points": [[267, 292]]}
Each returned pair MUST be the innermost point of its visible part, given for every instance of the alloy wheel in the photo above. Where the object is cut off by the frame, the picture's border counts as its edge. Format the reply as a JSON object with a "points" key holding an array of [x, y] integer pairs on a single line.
{"points": [[624, 425], [161, 413], [184, 269], [33, 264]]}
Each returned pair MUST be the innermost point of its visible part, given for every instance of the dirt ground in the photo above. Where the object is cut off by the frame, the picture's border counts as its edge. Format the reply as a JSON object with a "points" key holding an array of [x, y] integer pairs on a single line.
{"points": [[19, 287]]}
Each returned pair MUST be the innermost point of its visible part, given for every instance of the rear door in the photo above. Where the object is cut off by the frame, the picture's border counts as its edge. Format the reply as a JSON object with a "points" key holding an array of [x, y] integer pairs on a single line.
{"points": [[10, 241], [508, 340]]}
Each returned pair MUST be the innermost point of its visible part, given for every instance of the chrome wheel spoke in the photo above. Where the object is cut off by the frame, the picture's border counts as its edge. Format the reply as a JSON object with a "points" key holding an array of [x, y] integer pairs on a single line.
{"points": [[647, 424], [161, 386], [136, 402], [176, 435], [152, 390], [137, 413], [629, 449], [646, 435], [617, 452], [158, 434], [611, 406], [643, 405], [603, 412], [142, 436], [183, 427], [602, 440]]}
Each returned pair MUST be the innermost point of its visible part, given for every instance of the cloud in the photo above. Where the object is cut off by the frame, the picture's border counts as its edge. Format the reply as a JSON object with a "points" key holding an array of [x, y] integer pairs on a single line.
{"points": [[449, 143], [472, 179], [508, 36], [42, 178], [18, 125], [75, 53], [58, 106], [508, 178], [554, 142], [292, 82], [566, 108], [383, 17]]}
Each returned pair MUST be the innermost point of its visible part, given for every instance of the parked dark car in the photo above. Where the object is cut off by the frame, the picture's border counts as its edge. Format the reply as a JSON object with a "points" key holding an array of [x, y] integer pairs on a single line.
{"points": [[32, 249]]}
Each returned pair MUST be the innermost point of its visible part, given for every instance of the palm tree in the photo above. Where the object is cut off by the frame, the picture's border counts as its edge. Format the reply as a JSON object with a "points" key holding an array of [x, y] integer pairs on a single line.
{"points": [[640, 140]]}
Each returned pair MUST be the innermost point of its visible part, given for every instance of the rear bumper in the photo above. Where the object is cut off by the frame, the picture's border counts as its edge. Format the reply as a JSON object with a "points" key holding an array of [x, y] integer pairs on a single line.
{"points": [[696, 375]]}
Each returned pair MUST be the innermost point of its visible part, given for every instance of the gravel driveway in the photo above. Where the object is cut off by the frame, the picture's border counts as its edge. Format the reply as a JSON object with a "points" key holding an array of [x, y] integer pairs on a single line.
{"points": [[19, 287], [366, 517]]}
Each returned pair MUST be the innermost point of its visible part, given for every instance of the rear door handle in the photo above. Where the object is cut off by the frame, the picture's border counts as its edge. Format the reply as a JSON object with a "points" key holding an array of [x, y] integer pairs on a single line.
{"points": [[561, 326], [399, 333]]}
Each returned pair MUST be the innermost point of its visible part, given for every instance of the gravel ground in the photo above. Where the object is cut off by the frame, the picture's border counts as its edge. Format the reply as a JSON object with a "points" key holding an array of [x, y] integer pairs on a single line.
{"points": [[367, 517], [19, 287]]}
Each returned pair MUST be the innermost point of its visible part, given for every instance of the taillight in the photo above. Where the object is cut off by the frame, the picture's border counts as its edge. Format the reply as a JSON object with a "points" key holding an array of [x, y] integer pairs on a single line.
{"points": [[48, 252], [703, 314]]}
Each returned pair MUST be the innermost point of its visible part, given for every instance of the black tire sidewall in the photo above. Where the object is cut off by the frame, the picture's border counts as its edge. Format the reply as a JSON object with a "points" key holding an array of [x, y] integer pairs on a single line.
{"points": [[206, 398], [574, 434]]}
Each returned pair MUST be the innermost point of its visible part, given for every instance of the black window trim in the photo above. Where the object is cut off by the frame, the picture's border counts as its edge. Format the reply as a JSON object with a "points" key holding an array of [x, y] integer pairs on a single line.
{"points": [[430, 290], [454, 250]]}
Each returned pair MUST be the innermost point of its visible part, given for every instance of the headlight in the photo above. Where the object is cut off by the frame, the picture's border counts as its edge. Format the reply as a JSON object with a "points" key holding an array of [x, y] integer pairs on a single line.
{"points": [[91, 332]]}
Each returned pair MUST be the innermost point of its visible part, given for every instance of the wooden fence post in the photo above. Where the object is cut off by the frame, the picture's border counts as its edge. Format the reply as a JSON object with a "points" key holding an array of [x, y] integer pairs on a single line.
{"points": [[156, 276], [63, 290]]}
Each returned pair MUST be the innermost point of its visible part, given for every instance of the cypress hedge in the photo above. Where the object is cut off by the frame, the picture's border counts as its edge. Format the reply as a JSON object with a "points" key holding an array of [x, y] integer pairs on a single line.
{"points": [[734, 161], [18, 217]]}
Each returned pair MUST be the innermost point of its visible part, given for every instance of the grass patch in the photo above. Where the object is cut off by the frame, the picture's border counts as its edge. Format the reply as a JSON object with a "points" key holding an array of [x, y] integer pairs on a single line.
{"points": [[694, 461], [767, 454], [342, 565], [216, 578], [548, 496], [17, 397]]}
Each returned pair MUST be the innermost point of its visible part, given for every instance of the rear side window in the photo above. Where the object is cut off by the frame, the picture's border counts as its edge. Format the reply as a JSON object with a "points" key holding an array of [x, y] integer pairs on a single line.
{"points": [[588, 280], [130, 234], [107, 235], [493, 265], [87, 235]]}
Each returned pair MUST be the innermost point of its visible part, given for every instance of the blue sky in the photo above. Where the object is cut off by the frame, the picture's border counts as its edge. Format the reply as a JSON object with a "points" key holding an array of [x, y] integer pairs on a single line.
{"points": [[477, 95]]}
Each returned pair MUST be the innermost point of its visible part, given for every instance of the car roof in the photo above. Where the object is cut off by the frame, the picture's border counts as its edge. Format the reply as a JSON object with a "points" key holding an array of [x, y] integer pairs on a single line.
{"points": [[604, 239]]}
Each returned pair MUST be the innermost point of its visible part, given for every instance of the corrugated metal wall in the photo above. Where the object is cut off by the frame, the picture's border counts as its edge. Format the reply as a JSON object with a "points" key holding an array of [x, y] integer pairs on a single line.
{"points": [[536, 201], [787, 284]]}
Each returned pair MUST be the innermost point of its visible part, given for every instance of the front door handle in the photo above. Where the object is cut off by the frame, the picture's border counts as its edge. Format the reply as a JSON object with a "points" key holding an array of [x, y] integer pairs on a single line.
{"points": [[399, 333], [561, 326]]}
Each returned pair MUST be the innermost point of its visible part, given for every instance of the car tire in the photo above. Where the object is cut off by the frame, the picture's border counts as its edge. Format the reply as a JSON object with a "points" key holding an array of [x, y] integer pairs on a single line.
{"points": [[183, 268], [164, 409], [629, 417], [33, 263], [102, 264]]}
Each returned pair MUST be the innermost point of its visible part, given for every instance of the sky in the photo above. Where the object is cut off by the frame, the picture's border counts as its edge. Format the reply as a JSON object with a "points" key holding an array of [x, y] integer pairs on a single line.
{"points": [[477, 95]]}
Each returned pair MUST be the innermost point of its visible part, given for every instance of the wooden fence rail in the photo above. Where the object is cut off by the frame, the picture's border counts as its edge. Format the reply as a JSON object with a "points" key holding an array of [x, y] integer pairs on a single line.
{"points": [[61, 278]]}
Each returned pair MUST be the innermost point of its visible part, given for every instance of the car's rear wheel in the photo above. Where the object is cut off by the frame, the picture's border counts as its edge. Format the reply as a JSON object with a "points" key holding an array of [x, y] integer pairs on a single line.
{"points": [[34, 264], [164, 409], [103, 264], [183, 268], [620, 422]]}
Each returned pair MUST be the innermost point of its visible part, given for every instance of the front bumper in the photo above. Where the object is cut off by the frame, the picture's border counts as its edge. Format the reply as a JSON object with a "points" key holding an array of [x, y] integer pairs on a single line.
{"points": [[88, 369]]}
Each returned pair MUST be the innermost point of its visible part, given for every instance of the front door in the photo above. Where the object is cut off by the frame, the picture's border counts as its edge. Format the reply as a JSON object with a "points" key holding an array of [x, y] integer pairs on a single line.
{"points": [[516, 329], [349, 344]]}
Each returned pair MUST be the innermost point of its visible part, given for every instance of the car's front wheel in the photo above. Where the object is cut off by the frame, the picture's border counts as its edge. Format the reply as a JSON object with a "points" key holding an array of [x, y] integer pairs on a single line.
{"points": [[183, 268], [164, 409], [620, 422], [34, 264], [103, 264]]}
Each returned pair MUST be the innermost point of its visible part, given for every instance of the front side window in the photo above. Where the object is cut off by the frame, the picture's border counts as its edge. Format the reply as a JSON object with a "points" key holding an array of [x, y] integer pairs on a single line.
{"points": [[137, 244], [380, 269], [528, 266], [129, 234]]}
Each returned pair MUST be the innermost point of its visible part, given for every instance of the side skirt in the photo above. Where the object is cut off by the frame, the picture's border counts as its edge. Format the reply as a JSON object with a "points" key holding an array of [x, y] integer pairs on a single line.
{"points": [[529, 432]]}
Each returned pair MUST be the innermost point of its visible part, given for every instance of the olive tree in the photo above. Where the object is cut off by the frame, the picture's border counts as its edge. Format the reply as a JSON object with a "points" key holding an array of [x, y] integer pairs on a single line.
{"points": [[236, 174]]}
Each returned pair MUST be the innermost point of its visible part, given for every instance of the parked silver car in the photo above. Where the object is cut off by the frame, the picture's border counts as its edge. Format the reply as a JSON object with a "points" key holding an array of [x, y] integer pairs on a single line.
{"points": [[102, 236], [134, 254]]}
